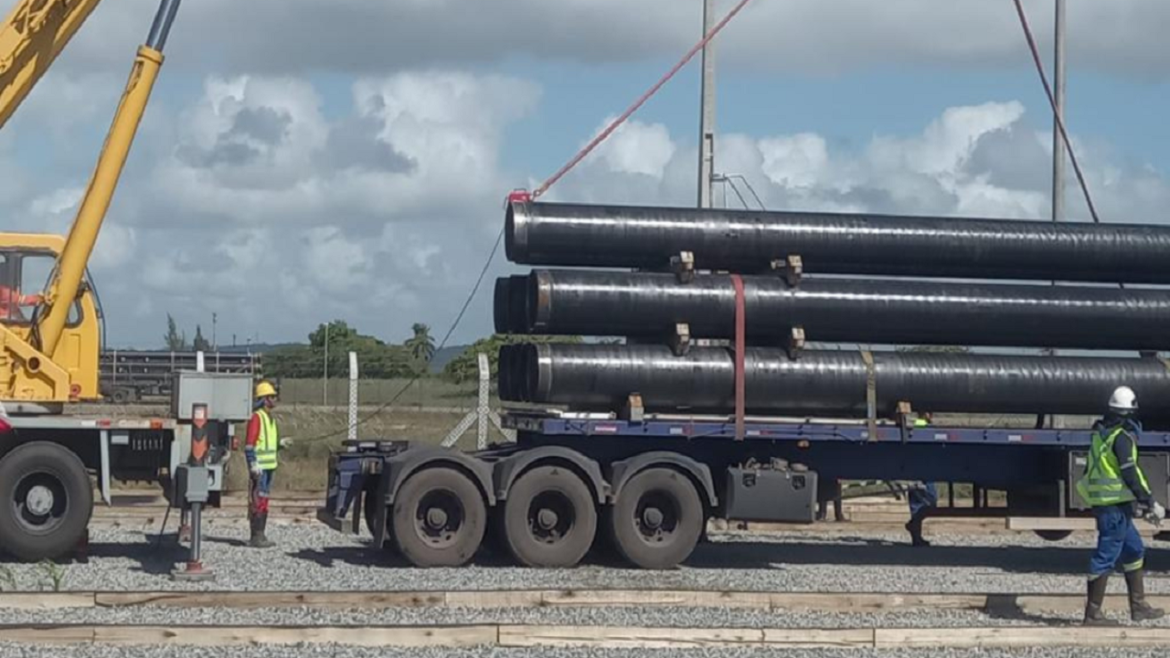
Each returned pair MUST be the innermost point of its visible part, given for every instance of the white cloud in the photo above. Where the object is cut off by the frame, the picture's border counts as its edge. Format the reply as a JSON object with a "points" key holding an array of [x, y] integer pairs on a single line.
{"points": [[300, 36], [636, 148]]}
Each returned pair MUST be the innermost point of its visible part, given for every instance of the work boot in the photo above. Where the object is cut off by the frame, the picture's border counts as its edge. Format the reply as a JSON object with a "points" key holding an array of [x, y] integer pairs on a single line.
{"points": [[1139, 609], [1094, 614], [258, 539], [914, 527]]}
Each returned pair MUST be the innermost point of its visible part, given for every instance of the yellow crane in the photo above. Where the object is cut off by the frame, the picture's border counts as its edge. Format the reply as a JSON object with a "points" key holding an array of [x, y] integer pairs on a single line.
{"points": [[50, 340]]}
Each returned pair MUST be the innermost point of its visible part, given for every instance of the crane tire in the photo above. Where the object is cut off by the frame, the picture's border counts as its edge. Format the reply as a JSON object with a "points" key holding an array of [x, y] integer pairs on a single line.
{"points": [[46, 501]]}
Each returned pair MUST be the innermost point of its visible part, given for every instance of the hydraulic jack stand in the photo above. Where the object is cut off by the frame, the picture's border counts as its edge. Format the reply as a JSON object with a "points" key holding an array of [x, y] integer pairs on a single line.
{"points": [[192, 491]]}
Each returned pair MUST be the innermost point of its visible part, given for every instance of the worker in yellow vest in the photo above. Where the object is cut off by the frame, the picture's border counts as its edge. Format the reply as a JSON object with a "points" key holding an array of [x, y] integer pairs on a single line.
{"points": [[260, 450], [1117, 490]]}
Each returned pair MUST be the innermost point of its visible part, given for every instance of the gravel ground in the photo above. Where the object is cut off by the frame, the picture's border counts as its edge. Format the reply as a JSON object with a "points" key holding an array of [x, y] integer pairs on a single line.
{"points": [[316, 558], [327, 651], [615, 616]]}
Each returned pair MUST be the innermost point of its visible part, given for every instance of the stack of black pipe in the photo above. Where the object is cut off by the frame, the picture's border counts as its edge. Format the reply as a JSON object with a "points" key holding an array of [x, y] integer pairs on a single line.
{"points": [[867, 279]]}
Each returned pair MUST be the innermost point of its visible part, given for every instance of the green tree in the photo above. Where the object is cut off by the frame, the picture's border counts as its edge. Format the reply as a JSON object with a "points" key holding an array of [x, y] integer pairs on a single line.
{"points": [[175, 340], [465, 367], [376, 359], [200, 343], [421, 345]]}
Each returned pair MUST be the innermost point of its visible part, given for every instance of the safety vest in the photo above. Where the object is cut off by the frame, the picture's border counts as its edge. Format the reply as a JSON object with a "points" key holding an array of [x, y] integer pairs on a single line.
{"points": [[921, 422], [1102, 484], [267, 443]]}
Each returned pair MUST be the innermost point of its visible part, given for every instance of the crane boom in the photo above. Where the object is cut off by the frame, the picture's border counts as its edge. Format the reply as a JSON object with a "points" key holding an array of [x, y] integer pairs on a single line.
{"points": [[70, 270], [31, 37]]}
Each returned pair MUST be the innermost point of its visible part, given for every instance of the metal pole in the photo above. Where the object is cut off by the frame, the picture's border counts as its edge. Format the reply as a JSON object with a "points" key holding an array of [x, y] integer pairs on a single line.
{"points": [[353, 396], [325, 376], [163, 20], [1058, 145], [707, 111]]}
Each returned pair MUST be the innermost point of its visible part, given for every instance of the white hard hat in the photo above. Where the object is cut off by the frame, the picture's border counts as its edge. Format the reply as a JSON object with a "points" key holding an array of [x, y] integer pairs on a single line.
{"points": [[1123, 399]]}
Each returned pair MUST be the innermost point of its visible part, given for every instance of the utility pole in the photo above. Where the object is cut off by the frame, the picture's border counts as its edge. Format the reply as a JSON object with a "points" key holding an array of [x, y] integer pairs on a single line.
{"points": [[707, 112], [1058, 145], [325, 378], [214, 341]]}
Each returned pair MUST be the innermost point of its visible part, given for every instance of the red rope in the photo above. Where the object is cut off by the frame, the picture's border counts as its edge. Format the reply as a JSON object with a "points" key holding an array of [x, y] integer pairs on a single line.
{"points": [[1056, 115], [638, 103]]}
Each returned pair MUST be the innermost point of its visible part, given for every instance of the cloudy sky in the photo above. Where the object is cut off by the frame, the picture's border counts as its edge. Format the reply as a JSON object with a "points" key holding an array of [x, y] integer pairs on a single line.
{"points": [[314, 159]]}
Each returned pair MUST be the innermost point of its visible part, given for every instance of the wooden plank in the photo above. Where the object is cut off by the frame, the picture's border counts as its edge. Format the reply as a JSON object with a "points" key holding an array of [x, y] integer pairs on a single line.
{"points": [[48, 634], [368, 636], [657, 598], [247, 600], [817, 638], [1076, 524], [1021, 636], [616, 637], [45, 600], [1040, 603], [496, 599], [866, 602]]}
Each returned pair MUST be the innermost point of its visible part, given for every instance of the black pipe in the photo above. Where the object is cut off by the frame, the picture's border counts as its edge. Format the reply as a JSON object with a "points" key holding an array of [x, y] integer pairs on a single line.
{"points": [[645, 237], [613, 303], [821, 382]]}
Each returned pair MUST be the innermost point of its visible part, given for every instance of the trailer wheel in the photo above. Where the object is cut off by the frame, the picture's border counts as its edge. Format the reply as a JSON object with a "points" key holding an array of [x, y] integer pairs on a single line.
{"points": [[439, 518], [657, 519], [46, 500], [549, 518], [1053, 535]]}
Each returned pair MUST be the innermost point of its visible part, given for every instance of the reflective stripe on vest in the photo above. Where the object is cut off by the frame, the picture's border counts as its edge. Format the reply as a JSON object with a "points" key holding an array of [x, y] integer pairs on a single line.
{"points": [[1102, 483], [267, 442]]}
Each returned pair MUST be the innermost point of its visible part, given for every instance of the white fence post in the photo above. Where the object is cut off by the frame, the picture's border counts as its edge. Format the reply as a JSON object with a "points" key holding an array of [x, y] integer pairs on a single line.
{"points": [[483, 412], [353, 396]]}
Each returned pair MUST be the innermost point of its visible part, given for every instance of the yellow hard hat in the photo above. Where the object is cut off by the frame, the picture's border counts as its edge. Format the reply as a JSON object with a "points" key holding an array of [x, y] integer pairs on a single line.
{"points": [[264, 389]]}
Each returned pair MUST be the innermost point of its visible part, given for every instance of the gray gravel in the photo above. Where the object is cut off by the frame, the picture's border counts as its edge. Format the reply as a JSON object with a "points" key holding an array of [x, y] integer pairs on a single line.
{"points": [[327, 651], [615, 616], [312, 557]]}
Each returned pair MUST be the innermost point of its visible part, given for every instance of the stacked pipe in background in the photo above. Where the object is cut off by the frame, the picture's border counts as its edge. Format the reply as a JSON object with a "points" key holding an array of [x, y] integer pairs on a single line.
{"points": [[843, 302]]}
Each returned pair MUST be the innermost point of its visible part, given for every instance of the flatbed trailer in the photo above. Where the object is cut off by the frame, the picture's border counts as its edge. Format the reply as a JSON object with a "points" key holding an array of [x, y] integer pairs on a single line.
{"points": [[647, 487]]}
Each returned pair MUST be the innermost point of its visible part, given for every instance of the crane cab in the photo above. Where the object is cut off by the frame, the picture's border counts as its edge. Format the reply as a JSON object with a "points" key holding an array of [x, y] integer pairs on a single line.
{"points": [[26, 262]]}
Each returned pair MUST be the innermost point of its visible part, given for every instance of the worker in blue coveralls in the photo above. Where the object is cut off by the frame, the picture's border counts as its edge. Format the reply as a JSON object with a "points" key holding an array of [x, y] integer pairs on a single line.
{"points": [[921, 499], [1117, 490]]}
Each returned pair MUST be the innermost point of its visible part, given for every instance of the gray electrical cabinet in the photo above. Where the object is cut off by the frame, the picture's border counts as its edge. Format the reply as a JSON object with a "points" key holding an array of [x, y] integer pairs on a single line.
{"points": [[228, 396]]}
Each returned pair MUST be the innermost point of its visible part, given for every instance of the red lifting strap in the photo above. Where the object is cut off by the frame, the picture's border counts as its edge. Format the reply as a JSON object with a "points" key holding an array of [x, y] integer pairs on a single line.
{"points": [[740, 344]]}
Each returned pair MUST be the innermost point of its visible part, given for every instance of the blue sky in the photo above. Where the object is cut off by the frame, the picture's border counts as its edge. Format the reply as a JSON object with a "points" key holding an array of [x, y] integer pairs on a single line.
{"points": [[257, 176]]}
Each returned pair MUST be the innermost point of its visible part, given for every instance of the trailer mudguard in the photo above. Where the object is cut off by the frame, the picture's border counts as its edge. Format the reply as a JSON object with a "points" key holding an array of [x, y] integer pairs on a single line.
{"points": [[402, 466], [507, 470], [622, 471]]}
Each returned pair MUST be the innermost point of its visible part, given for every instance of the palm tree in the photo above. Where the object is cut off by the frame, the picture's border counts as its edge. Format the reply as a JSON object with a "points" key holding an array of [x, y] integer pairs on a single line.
{"points": [[421, 344]]}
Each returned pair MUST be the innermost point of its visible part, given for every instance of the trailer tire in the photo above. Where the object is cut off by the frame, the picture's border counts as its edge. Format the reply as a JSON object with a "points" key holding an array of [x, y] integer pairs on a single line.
{"points": [[657, 519], [549, 518], [439, 518], [1053, 535], [46, 500]]}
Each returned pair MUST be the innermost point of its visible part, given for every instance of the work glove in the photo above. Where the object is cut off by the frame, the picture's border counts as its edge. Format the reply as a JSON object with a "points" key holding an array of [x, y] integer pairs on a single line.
{"points": [[1155, 514], [285, 443], [255, 471]]}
